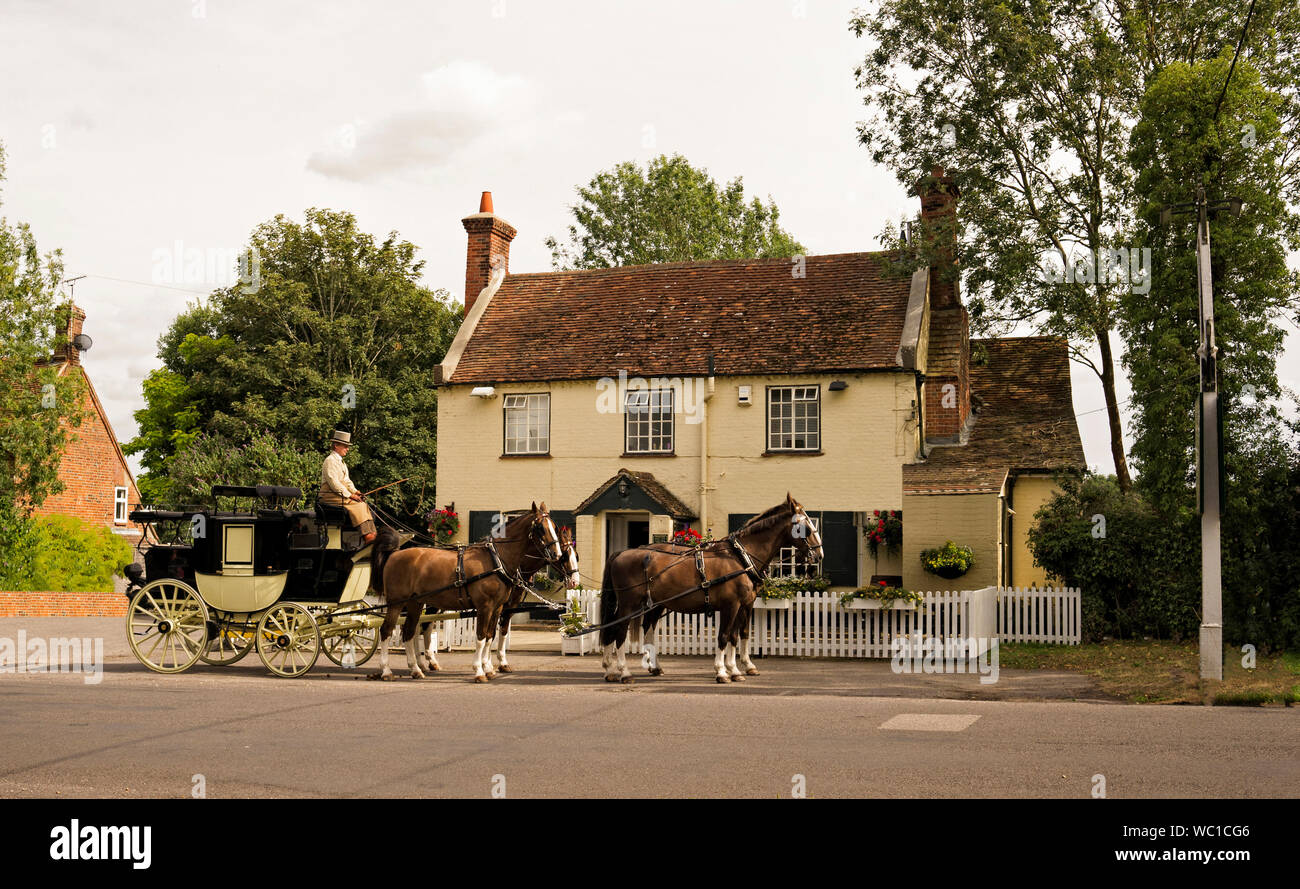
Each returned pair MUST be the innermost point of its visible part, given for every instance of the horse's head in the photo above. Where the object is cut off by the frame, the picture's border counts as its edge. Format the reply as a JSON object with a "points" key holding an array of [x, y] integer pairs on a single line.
{"points": [[544, 539], [570, 559], [804, 532]]}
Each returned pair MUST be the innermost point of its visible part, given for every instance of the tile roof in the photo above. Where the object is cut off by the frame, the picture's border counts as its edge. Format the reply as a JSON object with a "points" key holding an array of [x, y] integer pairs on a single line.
{"points": [[846, 313], [1026, 421], [653, 489]]}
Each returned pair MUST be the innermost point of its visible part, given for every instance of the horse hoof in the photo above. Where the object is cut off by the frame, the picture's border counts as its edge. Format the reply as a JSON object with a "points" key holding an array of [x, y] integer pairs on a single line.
{"points": [[723, 680], [752, 671], [736, 677], [417, 675], [434, 668], [375, 676], [657, 671], [626, 680], [480, 679], [506, 668], [385, 677]]}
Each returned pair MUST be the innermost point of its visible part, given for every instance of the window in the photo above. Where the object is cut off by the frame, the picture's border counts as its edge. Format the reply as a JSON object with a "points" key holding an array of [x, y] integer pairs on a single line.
{"points": [[119, 506], [649, 423], [794, 418], [528, 424]]}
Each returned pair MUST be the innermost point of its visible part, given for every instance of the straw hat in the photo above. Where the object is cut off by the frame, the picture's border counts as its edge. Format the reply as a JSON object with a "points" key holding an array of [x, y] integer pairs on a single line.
{"points": [[343, 438]]}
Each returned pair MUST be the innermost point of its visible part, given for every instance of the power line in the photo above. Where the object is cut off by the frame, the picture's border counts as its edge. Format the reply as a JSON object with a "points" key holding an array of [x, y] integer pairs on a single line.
{"points": [[1233, 66], [149, 284]]}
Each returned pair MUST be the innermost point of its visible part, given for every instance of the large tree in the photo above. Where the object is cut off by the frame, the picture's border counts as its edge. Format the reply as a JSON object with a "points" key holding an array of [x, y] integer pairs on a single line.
{"points": [[1029, 104], [38, 408], [330, 328], [668, 212]]}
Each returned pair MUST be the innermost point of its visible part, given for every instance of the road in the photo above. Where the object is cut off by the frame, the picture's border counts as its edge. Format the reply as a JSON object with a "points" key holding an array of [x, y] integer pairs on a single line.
{"points": [[828, 728]]}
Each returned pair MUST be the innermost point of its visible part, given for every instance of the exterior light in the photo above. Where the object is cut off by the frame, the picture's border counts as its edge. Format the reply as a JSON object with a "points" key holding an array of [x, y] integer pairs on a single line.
{"points": [[484, 392], [838, 385]]}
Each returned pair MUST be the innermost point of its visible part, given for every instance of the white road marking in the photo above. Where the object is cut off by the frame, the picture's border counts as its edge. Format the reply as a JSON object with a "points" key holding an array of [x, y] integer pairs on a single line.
{"points": [[929, 722]]}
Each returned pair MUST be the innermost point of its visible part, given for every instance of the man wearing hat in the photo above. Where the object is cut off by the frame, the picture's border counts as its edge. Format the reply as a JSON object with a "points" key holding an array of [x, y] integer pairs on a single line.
{"points": [[336, 488]]}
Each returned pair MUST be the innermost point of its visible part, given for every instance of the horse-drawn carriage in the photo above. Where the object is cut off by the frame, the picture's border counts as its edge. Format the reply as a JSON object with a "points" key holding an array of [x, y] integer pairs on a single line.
{"points": [[260, 575]]}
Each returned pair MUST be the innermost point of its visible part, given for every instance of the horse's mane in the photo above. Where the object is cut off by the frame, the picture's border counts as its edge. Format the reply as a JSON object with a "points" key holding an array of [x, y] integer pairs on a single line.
{"points": [[765, 520]]}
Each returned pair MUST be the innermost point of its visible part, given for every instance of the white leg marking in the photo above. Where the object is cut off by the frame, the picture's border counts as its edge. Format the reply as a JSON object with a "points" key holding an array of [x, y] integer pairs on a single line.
{"points": [[745, 662], [731, 661], [410, 659], [720, 664]]}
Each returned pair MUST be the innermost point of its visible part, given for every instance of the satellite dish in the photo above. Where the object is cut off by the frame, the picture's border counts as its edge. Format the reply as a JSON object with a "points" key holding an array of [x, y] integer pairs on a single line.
{"points": [[82, 343]]}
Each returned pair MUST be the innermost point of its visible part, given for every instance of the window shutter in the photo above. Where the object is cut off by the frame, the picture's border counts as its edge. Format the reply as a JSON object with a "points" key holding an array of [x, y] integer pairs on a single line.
{"points": [[480, 523], [736, 520], [840, 543]]}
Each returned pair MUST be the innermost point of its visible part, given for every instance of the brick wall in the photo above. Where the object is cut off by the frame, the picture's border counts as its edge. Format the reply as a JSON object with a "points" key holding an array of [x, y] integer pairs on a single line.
{"points": [[62, 604], [489, 242], [92, 466]]}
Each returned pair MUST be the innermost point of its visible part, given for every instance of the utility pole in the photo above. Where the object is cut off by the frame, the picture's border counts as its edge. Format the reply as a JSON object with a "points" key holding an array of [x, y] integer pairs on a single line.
{"points": [[1209, 430]]}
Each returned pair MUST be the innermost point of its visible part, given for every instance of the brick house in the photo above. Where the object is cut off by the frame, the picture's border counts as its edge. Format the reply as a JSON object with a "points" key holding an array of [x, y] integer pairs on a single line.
{"points": [[98, 485], [643, 399]]}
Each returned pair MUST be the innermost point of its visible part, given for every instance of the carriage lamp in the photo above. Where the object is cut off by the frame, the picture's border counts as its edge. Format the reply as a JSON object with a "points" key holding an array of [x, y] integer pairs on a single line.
{"points": [[622, 488], [838, 385]]}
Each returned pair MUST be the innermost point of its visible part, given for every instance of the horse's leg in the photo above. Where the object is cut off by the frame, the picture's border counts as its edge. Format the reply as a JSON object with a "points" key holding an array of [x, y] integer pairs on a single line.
{"points": [[493, 622], [743, 652], [726, 616], [409, 628], [733, 645], [385, 634], [649, 637], [430, 648], [481, 645], [615, 657], [503, 640]]}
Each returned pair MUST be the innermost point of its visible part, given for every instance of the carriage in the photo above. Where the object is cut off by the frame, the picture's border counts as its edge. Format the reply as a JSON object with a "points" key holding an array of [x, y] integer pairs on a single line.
{"points": [[261, 575]]}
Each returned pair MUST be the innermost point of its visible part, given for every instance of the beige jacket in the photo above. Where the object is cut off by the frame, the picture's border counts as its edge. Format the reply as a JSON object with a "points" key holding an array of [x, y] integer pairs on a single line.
{"points": [[334, 477]]}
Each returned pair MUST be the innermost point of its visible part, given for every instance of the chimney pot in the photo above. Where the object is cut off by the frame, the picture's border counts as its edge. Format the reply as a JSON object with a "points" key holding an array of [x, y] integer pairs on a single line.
{"points": [[485, 202]]}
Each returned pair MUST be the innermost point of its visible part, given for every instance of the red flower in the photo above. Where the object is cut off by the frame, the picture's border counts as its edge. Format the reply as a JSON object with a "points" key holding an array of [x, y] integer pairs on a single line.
{"points": [[876, 512]]}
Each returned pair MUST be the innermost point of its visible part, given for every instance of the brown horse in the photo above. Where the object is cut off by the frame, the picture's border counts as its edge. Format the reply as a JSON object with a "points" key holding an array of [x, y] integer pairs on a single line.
{"points": [[420, 576], [571, 579], [653, 579]]}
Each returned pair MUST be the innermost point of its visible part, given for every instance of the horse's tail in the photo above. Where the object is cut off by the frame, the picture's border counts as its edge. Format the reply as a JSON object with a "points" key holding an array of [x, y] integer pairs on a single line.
{"points": [[608, 604], [386, 543]]}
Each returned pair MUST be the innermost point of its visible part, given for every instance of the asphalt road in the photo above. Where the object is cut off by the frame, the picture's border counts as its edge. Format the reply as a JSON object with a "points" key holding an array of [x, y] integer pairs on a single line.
{"points": [[849, 728]]}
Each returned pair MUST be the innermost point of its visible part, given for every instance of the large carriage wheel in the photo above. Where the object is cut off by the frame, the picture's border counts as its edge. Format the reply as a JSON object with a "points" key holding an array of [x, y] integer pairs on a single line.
{"points": [[288, 641], [167, 625], [363, 643], [226, 643]]}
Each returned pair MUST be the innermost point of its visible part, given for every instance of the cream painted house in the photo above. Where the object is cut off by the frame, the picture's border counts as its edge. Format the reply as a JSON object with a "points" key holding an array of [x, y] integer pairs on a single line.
{"points": [[640, 400]]}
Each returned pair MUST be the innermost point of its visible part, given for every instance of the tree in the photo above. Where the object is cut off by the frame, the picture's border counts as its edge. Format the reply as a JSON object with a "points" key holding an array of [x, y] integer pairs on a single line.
{"points": [[1178, 144], [331, 331], [38, 408], [1028, 103], [669, 212]]}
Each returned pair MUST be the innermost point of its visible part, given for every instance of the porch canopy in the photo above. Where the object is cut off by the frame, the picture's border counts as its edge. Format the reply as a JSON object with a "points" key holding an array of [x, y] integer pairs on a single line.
{"points": [[630, 490]]}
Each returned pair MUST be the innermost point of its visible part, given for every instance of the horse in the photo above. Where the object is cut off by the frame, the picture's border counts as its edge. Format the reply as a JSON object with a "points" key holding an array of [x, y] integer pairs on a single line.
{"points": [[653, 579], [418, 576], [569, 560]]}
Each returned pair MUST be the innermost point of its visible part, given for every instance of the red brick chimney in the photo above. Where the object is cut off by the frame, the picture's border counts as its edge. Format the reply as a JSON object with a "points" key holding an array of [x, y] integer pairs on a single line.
{"points": [[489, 248], [939, 196], [70, 320], [947, 385]]}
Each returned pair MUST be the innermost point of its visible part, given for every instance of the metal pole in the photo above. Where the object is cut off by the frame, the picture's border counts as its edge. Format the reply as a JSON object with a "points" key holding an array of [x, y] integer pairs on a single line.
{"points": [[1208, 464]]}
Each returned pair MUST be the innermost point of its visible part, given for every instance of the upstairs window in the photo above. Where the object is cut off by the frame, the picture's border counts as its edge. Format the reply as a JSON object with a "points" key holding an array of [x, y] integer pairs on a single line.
{"points": [[649, 423], [119, 506], [528, 424], [794, 418]]}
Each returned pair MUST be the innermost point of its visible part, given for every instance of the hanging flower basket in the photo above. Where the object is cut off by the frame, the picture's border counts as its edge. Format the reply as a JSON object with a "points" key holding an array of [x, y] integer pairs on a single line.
{"points": [[948, 561], [884, 528], [443, 525]]}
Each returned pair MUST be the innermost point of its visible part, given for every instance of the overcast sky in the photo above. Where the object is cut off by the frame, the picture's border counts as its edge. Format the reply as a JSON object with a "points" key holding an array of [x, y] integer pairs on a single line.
{"points": [[137, 128]]}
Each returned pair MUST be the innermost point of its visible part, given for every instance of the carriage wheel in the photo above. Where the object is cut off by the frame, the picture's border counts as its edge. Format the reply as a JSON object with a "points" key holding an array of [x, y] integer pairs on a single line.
{"points": [[363, 642], [288, 641], [226, 644], [167, 625]]}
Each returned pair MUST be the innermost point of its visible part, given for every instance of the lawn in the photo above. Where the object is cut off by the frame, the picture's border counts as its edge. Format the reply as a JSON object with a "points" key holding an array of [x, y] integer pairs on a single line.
{"points": [[1153, 672]]}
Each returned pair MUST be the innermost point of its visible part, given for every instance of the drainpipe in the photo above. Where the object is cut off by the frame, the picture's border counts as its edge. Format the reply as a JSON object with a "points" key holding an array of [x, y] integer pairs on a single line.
{"points": [[704, 450]]}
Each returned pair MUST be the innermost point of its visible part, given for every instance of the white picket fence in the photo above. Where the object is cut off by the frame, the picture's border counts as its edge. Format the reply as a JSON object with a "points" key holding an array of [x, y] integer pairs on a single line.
{"points": [[817, 625], [1039, 615]]}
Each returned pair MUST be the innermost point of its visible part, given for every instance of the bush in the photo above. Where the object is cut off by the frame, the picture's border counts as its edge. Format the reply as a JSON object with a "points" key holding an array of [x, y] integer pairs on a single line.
{"points": [[61, 552]]}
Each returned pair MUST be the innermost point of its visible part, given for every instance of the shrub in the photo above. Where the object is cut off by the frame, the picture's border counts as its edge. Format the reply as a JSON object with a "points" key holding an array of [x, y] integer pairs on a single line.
{"points": [[61, 552]]}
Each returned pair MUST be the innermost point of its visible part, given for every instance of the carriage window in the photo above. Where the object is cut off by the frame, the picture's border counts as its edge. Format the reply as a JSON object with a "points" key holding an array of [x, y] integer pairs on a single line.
{"points": [[794, 418], [528, 424], [119, 506], [649, 422]]}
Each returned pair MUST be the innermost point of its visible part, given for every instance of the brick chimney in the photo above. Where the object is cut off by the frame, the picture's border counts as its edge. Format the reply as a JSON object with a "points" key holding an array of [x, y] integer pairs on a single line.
{"points": [[947, 384], [489, 248], [70, 320], [939, 196]]}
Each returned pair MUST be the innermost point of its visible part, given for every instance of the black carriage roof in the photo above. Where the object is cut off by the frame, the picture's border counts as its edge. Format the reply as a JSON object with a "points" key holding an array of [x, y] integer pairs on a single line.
{"points": [[261, 492]]}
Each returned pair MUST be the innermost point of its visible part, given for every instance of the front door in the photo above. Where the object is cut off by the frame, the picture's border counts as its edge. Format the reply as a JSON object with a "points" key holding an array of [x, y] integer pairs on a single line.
{"points": [[626, 531]]}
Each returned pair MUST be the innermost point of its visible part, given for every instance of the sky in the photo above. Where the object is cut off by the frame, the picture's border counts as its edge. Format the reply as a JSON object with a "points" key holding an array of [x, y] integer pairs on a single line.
{"points": [[140, 130]]}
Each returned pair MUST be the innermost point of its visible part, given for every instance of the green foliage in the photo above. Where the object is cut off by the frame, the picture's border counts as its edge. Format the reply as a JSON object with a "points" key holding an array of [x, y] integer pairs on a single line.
{"points": [[669, 212], [37, 406], [216, 460], [1139, 572], [887, 595], [573, 620], [789, 587], [335, 309], [949, 560], [61, 552]]}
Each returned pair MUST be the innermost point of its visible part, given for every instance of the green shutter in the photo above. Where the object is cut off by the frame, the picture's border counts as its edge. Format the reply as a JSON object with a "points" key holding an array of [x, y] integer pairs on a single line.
{"points": [[840, 543]]}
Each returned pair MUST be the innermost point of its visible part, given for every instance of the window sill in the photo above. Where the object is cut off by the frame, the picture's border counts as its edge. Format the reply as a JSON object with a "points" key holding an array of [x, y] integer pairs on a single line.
{"points": [[546, 456], [793, 453], [649, 453]]}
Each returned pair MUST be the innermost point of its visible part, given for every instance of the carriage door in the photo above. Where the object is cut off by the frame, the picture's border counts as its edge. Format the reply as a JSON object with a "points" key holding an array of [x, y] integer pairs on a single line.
{"points": [[237, 550]]}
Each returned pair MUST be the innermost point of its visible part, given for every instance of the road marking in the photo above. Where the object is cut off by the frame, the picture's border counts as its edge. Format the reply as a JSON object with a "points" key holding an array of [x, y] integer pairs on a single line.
{"points": [[929, 722]]}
